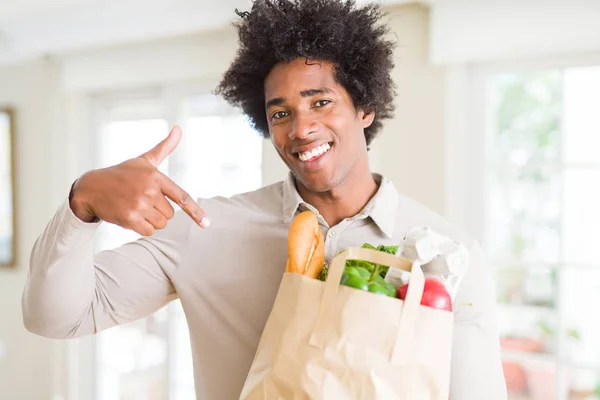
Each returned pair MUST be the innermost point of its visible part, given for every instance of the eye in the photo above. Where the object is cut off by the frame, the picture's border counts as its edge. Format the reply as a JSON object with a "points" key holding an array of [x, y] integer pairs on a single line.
{"points": [[279, 115], [322, 103]]}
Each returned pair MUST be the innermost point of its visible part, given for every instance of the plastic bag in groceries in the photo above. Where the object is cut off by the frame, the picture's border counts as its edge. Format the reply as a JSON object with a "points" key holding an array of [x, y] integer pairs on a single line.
{"points": [[440, 257]]}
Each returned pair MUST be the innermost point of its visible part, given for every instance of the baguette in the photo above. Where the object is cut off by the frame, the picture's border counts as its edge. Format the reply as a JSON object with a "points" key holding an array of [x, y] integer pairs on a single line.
{"points": [[306, 247]]}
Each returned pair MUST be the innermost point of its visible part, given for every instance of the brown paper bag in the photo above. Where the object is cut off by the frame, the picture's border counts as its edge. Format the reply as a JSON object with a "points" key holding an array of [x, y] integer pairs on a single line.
{"points": [[324, 340]]}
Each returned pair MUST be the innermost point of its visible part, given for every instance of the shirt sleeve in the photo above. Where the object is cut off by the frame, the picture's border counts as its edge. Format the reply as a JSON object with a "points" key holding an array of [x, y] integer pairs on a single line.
{"points": [[476, 360], [70, 291]]}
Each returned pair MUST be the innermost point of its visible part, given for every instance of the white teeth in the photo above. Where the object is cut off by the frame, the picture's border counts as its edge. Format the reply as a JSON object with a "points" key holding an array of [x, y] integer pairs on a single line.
{"points": [[317, 151]]}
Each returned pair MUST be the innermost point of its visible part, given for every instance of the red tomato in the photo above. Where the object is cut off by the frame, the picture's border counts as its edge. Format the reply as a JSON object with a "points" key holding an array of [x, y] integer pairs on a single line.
{"points": [[435, 294]]}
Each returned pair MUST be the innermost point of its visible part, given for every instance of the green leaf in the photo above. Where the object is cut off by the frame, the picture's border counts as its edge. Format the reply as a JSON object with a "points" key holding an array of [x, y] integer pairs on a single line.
{"points": [[383, 271], [360, 263], [324, 273], [388, 249]]}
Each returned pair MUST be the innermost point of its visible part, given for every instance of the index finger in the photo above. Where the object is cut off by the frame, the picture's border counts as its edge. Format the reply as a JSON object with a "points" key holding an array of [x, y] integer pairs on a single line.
{"points": [[162, 150], [185, 201]]}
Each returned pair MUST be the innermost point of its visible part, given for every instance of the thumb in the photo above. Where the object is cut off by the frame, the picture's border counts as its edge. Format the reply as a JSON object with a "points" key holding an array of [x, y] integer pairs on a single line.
{"points": [[162, 150]]}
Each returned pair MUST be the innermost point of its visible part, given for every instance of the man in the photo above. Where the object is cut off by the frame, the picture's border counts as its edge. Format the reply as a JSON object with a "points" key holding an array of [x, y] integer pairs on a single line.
{"points": [[314, 77]]}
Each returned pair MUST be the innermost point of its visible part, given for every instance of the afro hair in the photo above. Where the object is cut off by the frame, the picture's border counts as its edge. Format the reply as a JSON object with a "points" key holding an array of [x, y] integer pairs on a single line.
{"points": [[335, 31]]}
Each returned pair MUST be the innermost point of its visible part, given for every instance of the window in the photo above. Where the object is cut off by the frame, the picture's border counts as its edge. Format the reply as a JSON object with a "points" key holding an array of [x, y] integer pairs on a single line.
{"points": [[219, 154], [542, 227]]}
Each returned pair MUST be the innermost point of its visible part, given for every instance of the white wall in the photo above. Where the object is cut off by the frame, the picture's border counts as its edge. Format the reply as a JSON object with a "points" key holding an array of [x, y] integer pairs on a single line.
{"points": [[53, 119], [32, 89], [198, 58], [412, 145], [478, 31]]}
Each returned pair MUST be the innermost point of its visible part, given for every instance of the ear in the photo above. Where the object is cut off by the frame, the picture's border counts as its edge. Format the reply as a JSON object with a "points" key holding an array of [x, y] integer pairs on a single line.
{"points": [[366, 118]]}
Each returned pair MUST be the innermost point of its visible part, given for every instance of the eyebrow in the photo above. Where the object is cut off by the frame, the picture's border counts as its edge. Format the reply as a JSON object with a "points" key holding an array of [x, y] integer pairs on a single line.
{"points": [[312, 92], [304, 93]]}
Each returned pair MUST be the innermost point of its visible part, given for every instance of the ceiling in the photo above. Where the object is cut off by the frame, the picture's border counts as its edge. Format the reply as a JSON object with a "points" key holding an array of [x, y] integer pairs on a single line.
{"points": [[33, 28]]}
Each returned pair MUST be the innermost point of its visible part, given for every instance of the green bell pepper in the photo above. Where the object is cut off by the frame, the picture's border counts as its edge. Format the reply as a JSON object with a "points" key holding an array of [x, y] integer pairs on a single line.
{"points": [[356, 282], [358, 271], [377, 288]]}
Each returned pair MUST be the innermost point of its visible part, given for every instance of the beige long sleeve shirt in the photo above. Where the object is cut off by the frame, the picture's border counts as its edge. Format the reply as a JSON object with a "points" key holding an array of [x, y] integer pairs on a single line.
{"points": [[227, 277]]}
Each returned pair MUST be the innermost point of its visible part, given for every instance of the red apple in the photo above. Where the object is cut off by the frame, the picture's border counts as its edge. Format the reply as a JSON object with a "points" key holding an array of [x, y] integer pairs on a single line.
{"points": [[435, 294]]}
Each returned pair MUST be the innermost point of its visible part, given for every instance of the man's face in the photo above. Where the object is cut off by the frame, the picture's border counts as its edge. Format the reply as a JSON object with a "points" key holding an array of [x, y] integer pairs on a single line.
{"points": [[313, 124]]}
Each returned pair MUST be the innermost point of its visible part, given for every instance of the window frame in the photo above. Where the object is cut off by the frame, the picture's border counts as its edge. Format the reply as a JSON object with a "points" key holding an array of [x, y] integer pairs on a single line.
{"points": [[467, 145], [166, 102]]}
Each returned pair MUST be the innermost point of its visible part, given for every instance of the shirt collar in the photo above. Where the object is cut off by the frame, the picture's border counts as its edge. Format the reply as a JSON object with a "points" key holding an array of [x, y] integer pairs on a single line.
{"points": [[381, 208], [291, 198]]}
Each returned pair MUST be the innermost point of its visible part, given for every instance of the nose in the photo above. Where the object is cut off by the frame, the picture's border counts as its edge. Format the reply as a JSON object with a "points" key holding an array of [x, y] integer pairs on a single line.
{"points": [[304, 126]]}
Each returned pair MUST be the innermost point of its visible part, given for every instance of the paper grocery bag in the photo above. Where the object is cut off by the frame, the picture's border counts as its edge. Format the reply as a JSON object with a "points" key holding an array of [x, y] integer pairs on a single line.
{"points": [[324, 340]]}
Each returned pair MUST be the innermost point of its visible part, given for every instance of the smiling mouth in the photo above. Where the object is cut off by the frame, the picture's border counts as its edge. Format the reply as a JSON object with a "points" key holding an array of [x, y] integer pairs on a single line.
{"points": [[314, 153]]}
